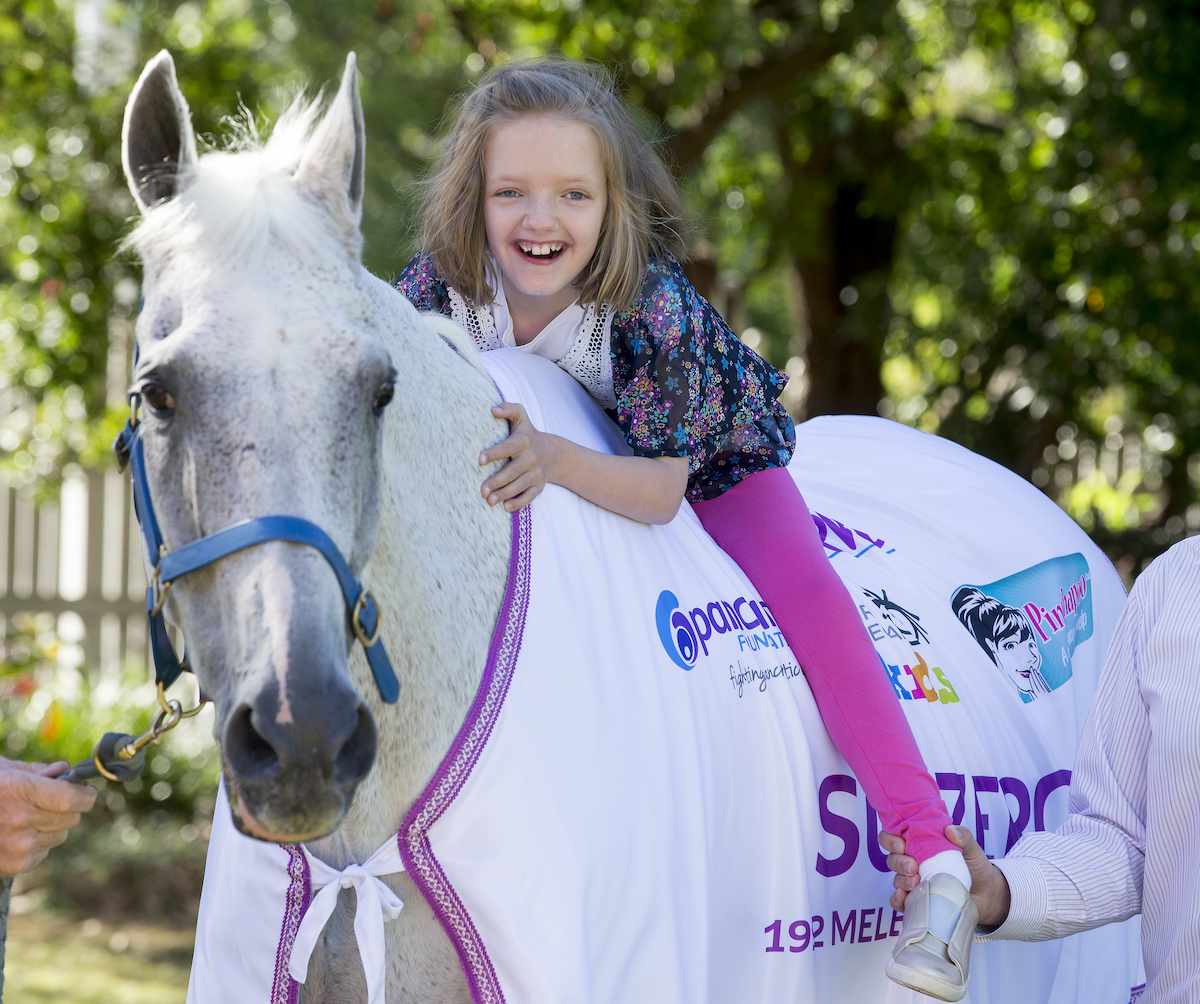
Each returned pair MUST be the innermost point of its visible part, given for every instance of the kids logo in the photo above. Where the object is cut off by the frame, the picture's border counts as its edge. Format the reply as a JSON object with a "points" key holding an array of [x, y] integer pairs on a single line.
{"points": [[1030, 623], [897, 632], [685, 634]]}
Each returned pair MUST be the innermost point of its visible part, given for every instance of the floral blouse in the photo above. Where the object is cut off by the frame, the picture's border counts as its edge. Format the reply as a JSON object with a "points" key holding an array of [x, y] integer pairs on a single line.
{"points": [[685, 385]]}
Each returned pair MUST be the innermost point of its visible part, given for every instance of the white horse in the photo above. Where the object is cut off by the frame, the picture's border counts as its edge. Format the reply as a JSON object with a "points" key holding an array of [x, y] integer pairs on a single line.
{"points": [[277, 376], [267, 354]]}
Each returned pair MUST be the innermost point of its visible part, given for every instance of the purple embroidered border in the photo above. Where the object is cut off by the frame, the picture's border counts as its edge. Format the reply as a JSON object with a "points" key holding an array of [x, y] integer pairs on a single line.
{"points": [[284, 989], [415, 850]]}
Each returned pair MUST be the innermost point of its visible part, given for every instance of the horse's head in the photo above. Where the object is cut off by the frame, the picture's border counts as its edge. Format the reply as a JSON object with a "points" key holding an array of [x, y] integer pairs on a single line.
{"points": [[263, 378]]}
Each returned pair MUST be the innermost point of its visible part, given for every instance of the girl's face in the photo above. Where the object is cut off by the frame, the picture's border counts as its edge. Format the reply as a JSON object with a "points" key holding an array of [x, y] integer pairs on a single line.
{"points": [[1018, 657], [544, 200]]}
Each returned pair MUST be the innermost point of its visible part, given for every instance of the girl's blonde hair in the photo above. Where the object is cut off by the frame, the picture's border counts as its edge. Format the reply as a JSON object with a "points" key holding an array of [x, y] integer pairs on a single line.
{"points": [[645, 214]]}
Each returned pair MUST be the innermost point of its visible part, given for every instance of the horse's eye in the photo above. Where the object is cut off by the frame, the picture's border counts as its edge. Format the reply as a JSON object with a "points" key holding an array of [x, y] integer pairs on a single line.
{"points": [[160, 400], [383, 397]]}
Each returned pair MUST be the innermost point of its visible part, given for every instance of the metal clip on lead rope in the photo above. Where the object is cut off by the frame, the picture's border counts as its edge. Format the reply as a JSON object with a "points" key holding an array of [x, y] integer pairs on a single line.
{"points": [[120, 757]]}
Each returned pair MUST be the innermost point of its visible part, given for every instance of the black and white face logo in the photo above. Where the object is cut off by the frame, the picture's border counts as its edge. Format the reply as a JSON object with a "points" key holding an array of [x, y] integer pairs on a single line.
{"points": [[904, 621]]}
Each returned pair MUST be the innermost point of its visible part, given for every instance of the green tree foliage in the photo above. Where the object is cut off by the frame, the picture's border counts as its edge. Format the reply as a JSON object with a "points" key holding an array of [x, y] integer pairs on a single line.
{"points": [[64, 207], [1045, 285], [57, 220], [971, 215]]}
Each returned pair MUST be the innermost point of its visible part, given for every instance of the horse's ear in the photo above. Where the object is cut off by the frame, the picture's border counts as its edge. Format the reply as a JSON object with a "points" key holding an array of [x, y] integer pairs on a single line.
{"points": [[158, 147], [333, 167]]}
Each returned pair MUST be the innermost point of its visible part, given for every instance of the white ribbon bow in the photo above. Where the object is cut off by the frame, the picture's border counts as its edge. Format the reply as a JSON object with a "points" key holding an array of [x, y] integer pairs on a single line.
{"points": [[376, 903]]}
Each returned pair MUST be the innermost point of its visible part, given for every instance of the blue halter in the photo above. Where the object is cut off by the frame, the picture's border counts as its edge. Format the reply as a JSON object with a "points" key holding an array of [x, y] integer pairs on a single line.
{"points": [[171, 565]]}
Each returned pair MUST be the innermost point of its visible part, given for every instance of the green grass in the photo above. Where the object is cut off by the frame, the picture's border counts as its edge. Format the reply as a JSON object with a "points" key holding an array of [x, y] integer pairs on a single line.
{"points": [[54, 958]]}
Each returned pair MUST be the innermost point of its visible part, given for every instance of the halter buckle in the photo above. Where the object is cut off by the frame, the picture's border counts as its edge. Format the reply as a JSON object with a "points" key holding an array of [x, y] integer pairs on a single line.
{"points": [[158, 587], [360, 632]]}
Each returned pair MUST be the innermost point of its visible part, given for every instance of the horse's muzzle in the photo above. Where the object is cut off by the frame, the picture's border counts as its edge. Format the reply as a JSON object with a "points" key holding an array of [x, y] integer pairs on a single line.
{"points": [[294, 780]]}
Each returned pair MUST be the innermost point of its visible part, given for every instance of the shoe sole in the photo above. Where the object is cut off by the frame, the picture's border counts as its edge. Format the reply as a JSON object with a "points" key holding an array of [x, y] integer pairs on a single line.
{"points": [[914, 979]]}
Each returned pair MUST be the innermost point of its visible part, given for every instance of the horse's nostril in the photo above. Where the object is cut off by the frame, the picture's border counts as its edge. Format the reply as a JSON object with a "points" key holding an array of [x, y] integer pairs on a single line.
{"points": [[357, 754], [247, 752], [333, 740]]}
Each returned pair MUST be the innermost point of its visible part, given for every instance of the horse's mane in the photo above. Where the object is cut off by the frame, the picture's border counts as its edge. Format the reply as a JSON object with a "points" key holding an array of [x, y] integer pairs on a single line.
{"points": [[239, 198]]}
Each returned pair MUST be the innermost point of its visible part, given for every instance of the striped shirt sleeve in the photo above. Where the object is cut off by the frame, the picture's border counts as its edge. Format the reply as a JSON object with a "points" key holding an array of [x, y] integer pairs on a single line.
{"points": [[1132, 841], [1089, 872]]}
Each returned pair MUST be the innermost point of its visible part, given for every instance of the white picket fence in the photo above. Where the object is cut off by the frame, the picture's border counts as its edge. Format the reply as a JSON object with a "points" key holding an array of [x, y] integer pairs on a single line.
{"points": [[77, 559]]}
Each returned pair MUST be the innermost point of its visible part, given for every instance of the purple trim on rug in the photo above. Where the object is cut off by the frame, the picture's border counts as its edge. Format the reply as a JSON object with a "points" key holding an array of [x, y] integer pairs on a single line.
{"points": [[1135, 993], [284, 989], [415, 850]]}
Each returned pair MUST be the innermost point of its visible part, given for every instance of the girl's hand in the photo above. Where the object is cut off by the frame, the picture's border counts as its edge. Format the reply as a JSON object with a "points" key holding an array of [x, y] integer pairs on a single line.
{"points": [[530, 455]]}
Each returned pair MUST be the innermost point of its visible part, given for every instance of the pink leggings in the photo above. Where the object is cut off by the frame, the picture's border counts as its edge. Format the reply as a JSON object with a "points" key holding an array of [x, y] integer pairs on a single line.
{"points": [[763, 524]]}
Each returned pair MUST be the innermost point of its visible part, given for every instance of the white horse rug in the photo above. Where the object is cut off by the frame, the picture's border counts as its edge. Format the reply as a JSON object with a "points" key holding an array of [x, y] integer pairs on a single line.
{"points": [[643, 804]]}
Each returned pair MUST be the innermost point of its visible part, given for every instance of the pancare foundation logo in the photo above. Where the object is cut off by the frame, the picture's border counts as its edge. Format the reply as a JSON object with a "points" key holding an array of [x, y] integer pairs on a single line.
{"points": [[685, 634]]}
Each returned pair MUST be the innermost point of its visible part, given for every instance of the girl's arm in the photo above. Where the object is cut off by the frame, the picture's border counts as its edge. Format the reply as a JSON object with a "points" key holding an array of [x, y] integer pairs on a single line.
{"points": [[648, 489]]}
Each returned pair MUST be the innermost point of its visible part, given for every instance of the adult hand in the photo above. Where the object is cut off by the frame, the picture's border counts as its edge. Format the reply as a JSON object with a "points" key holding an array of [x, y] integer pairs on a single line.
{"points": [[989, 887], [36, 811], [529, 454]]}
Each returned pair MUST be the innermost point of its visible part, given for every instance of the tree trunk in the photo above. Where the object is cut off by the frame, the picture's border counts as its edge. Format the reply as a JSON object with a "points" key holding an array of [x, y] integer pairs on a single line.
{"points": [[701, 271], [842, 358]]}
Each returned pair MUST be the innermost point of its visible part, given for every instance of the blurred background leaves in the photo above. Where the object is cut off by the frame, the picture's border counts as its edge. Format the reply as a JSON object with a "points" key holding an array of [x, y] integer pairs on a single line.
{"points": [[140, 850], [972, 216]]}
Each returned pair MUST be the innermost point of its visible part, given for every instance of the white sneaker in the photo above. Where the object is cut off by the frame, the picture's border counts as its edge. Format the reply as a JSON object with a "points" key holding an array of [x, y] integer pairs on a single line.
{"points": [[934, 949]]}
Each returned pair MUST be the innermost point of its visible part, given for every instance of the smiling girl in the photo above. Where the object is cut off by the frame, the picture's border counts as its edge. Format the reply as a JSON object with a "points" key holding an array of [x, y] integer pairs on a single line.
{"points": [[550, 225]]}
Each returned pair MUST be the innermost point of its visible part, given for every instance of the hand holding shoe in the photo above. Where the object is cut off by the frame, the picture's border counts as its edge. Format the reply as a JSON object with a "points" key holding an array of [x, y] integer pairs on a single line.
{"points": [[989, 887]]}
